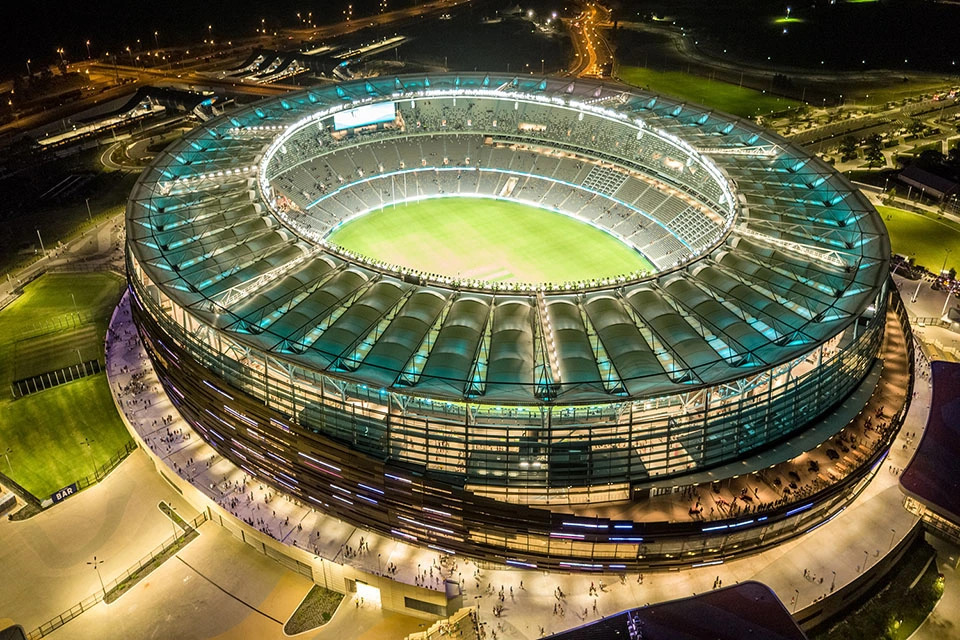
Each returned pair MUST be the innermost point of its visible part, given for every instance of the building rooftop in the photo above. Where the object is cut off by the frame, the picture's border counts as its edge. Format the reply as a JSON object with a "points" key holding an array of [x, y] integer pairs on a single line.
{"points": [[933, 475], [749, 610]]}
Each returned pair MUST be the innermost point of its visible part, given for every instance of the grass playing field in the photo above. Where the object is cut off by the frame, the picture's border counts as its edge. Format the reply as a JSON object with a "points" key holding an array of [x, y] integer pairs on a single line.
{"points": [[922, 237], [720, 95], [488, 239], [41, 331], [46, 429]]}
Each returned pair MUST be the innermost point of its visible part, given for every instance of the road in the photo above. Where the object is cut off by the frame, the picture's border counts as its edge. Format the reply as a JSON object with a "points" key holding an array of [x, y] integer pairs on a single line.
{"points": [[104, 74], [591, 49]]}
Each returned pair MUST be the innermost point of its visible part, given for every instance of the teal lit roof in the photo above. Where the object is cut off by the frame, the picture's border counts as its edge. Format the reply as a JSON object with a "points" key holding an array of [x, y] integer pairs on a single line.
{"points": [[795, 256]]}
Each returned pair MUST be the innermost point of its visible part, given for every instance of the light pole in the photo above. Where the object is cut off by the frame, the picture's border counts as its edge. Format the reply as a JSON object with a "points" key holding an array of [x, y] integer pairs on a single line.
{"points": [[6, 454], [156, 39], [29, 74], [833, 584], [42, 250], [865, 556], [89, 443], [88, 50], [79, 357], [796, 599], [89, 217], [74, 303], [893, 534], [173, 521], [60, 51], [96, 567]]}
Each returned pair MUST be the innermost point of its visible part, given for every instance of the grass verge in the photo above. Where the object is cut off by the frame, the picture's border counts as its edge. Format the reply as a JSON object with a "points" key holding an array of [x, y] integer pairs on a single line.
{"points": [[146, 566], [316, 610]]}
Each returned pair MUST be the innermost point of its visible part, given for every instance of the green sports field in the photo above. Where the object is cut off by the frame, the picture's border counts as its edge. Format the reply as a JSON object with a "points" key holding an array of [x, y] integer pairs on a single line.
{"points": [[488, 239], [724, 96], [43, 330], [922, 237]]}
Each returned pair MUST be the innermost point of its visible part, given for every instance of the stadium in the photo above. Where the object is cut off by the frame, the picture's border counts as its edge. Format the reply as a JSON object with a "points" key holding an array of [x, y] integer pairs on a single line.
{"points": [[511, 317]]}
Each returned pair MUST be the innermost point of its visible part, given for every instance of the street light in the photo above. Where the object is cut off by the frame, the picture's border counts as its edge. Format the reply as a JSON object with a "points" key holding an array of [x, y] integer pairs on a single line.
{"points": [[29, 74], [96, 567], [834, 582], [89, 443], [156, 40], [173, 521], [88, 50], [42, 250]]}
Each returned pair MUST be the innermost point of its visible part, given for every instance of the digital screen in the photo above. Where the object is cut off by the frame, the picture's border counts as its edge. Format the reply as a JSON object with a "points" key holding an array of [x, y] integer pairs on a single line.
{"points": [[361, 116]]}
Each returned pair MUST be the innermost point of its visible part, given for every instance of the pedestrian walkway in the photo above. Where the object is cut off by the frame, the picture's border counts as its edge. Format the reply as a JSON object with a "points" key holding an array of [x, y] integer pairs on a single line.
{"points": [[524, 599]]}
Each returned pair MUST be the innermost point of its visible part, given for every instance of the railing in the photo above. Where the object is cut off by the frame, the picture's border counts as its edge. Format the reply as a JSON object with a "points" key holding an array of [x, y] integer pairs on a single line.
{"points": [[87, 603], [101, 472]]}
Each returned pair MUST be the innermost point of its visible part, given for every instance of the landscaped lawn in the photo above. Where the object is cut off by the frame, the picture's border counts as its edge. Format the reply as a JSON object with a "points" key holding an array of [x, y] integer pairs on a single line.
{"points": [[922, 237], [47, 328], [739, 101]]}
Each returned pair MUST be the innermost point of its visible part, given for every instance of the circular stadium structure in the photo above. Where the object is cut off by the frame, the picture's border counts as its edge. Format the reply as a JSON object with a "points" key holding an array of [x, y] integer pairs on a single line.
{"points": [[479, 411]]}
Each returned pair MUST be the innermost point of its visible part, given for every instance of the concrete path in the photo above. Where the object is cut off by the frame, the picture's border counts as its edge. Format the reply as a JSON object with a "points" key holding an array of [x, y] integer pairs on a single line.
{"points": [[44, 558]]}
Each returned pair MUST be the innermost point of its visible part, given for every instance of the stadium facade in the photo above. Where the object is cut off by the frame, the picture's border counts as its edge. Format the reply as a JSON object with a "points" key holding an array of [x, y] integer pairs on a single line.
{"points": [[481, 416]]}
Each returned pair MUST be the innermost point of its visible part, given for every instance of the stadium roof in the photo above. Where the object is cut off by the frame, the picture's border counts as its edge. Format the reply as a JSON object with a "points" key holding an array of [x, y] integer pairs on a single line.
{"points": [[805, 258]]}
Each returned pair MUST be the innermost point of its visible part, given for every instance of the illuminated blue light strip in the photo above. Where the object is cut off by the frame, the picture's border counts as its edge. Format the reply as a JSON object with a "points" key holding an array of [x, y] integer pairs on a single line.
{"points": [[798, 509], [363, 486], [706, 564], [443, 549], [517, 563]]}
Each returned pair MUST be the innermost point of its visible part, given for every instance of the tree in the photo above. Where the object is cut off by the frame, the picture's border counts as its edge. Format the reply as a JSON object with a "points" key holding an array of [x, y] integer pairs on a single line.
{"points": [[848, 148], [874, 153], [916, 127]]}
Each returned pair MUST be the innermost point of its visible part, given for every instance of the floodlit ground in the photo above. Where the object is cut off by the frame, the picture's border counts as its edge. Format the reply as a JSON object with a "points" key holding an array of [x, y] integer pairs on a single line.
{"points": [[46, 431], [41, 331], [922, 237], [489, 239], [720, 95]]}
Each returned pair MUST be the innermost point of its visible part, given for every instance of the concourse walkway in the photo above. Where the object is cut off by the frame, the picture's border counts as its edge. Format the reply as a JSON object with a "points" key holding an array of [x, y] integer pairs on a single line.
{"points": [[801, 571]]}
